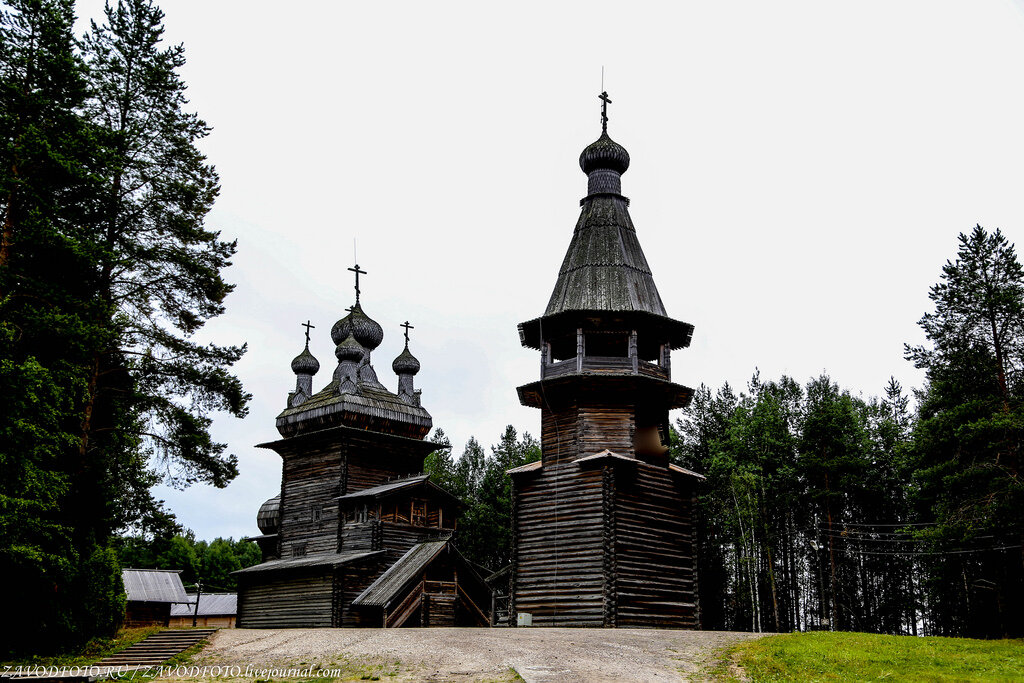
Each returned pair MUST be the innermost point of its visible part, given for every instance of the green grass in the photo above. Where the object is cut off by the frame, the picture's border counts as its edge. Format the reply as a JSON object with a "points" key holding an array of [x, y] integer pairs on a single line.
{"points": [[869, 657], [93, 651]]}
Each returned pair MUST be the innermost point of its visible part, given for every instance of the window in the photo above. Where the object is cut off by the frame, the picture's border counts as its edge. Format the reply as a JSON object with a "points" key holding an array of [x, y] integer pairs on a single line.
{"points": [[419, 513], [614, 345]]}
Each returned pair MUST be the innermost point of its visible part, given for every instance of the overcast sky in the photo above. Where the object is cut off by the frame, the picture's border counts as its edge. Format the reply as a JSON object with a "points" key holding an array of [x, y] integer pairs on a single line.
{"points": [[800, 172]]}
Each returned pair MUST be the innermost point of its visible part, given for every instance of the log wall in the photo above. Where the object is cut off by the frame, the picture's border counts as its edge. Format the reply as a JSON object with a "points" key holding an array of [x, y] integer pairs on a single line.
{"points": [[654, 557], [309, 513], [559, 547], [287, 601]]}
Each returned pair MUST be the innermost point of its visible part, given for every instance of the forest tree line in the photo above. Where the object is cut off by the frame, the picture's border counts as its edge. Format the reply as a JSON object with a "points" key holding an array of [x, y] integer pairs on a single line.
{"points": [[823, 510], [826, 510]]}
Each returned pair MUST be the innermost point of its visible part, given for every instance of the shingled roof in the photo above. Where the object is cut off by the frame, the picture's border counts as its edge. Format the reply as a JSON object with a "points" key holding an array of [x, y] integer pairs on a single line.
{"points": [[604, 268], [384, 410], [408, 567]]}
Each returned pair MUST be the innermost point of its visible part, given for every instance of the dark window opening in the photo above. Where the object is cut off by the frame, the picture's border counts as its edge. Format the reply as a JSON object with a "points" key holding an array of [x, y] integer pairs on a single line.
{"points": [[613, 345], [563, 348]]}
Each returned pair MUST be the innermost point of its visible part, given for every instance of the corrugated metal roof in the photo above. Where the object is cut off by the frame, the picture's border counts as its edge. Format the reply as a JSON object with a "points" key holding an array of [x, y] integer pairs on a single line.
{"points": [[398, 575], [318, 560], [153, 585], [210, 605]]}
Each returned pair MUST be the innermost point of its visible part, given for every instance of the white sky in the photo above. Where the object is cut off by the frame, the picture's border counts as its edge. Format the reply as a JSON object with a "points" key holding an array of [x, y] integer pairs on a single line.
{"points": [[800, 172]]}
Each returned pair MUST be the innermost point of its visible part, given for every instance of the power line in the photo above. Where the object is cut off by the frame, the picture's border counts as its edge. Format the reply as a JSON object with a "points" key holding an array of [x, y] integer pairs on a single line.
{"points": [[943, 552]]}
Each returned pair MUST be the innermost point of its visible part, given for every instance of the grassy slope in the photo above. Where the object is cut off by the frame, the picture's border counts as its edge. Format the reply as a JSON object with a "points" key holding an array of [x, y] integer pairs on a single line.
{"points": [[95, 650], [870, 657]]}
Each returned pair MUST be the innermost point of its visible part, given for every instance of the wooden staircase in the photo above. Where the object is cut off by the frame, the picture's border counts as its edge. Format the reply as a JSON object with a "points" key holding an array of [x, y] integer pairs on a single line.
{"points": [[157, 648]]}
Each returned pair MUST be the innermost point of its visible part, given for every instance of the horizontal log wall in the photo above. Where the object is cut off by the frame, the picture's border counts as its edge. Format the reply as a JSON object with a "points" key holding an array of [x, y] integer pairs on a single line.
{"points": [[399, 538], [311, 483], [654, 582], [559, 429], [352, 580], [367, 468], [559, 548], [606, 426], [358, 536], [291, 601]]}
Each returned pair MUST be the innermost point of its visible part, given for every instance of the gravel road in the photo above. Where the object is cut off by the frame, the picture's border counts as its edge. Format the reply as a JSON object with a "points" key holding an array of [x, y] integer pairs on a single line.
{"points": [[471, 654]]}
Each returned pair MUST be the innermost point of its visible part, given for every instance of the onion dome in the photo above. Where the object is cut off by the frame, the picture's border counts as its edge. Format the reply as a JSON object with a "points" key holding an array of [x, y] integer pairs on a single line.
{"points": [[604, 153], [406, 363], [305, 363], [349, 349], [268, 519], [357, 324]]}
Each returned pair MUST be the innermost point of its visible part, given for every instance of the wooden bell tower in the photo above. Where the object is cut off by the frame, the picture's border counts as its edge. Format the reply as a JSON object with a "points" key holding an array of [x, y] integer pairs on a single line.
{"points": [[602, 523]]}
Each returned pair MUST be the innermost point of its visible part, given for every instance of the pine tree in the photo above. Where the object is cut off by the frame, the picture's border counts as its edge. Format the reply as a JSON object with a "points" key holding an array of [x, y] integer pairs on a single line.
{"points": [[159, 267], [67, 586], [106, 274], [967, 443]]}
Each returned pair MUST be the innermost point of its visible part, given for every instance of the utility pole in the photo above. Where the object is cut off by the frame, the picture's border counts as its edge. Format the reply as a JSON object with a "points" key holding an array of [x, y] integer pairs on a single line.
{"points": [[199, 592]]}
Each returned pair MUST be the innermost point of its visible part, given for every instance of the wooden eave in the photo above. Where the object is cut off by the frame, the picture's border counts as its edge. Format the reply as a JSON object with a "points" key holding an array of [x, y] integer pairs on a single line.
{"points": [[675, 333], [682, 470], [324, 560], [394, 488], [528, 467], [628, 388], [363, 437], [607, 456]]}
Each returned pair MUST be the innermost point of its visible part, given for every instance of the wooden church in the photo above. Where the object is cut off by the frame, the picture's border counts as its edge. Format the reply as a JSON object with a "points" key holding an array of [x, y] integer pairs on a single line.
{"points": [[602, 523], [353, 539]]}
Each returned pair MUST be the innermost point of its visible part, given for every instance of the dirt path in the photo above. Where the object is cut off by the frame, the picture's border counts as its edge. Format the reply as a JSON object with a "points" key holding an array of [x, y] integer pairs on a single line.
{"points": [[464, 654]]}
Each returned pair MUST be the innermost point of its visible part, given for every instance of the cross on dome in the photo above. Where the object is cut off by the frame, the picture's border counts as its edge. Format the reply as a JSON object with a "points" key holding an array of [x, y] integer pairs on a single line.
{"points": [[605, 101], [308, 327], [407, 327], [357, 272]]}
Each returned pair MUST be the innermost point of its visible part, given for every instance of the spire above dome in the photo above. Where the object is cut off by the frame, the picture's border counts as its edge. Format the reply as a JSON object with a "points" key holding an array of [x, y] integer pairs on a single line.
{"points": [[305, 363], [604, 268], [604, 160], [365, 330]]}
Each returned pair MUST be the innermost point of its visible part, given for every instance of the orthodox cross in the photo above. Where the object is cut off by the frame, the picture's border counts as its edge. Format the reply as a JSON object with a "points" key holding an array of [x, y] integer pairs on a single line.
{"points": [[357, 272], [407, 327], [308, 328], [605, 101]]}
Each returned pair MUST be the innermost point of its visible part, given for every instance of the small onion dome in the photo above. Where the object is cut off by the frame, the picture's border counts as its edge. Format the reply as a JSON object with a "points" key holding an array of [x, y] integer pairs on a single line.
{"points": [[406, 363], [305, 363], [357, 324], [268, 519], [349, 349], [604, 153]]}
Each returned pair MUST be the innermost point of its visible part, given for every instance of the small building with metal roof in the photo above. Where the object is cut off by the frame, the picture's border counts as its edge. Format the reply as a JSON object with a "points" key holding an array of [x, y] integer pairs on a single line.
{"points": [[215, 610], [151, 593]]}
